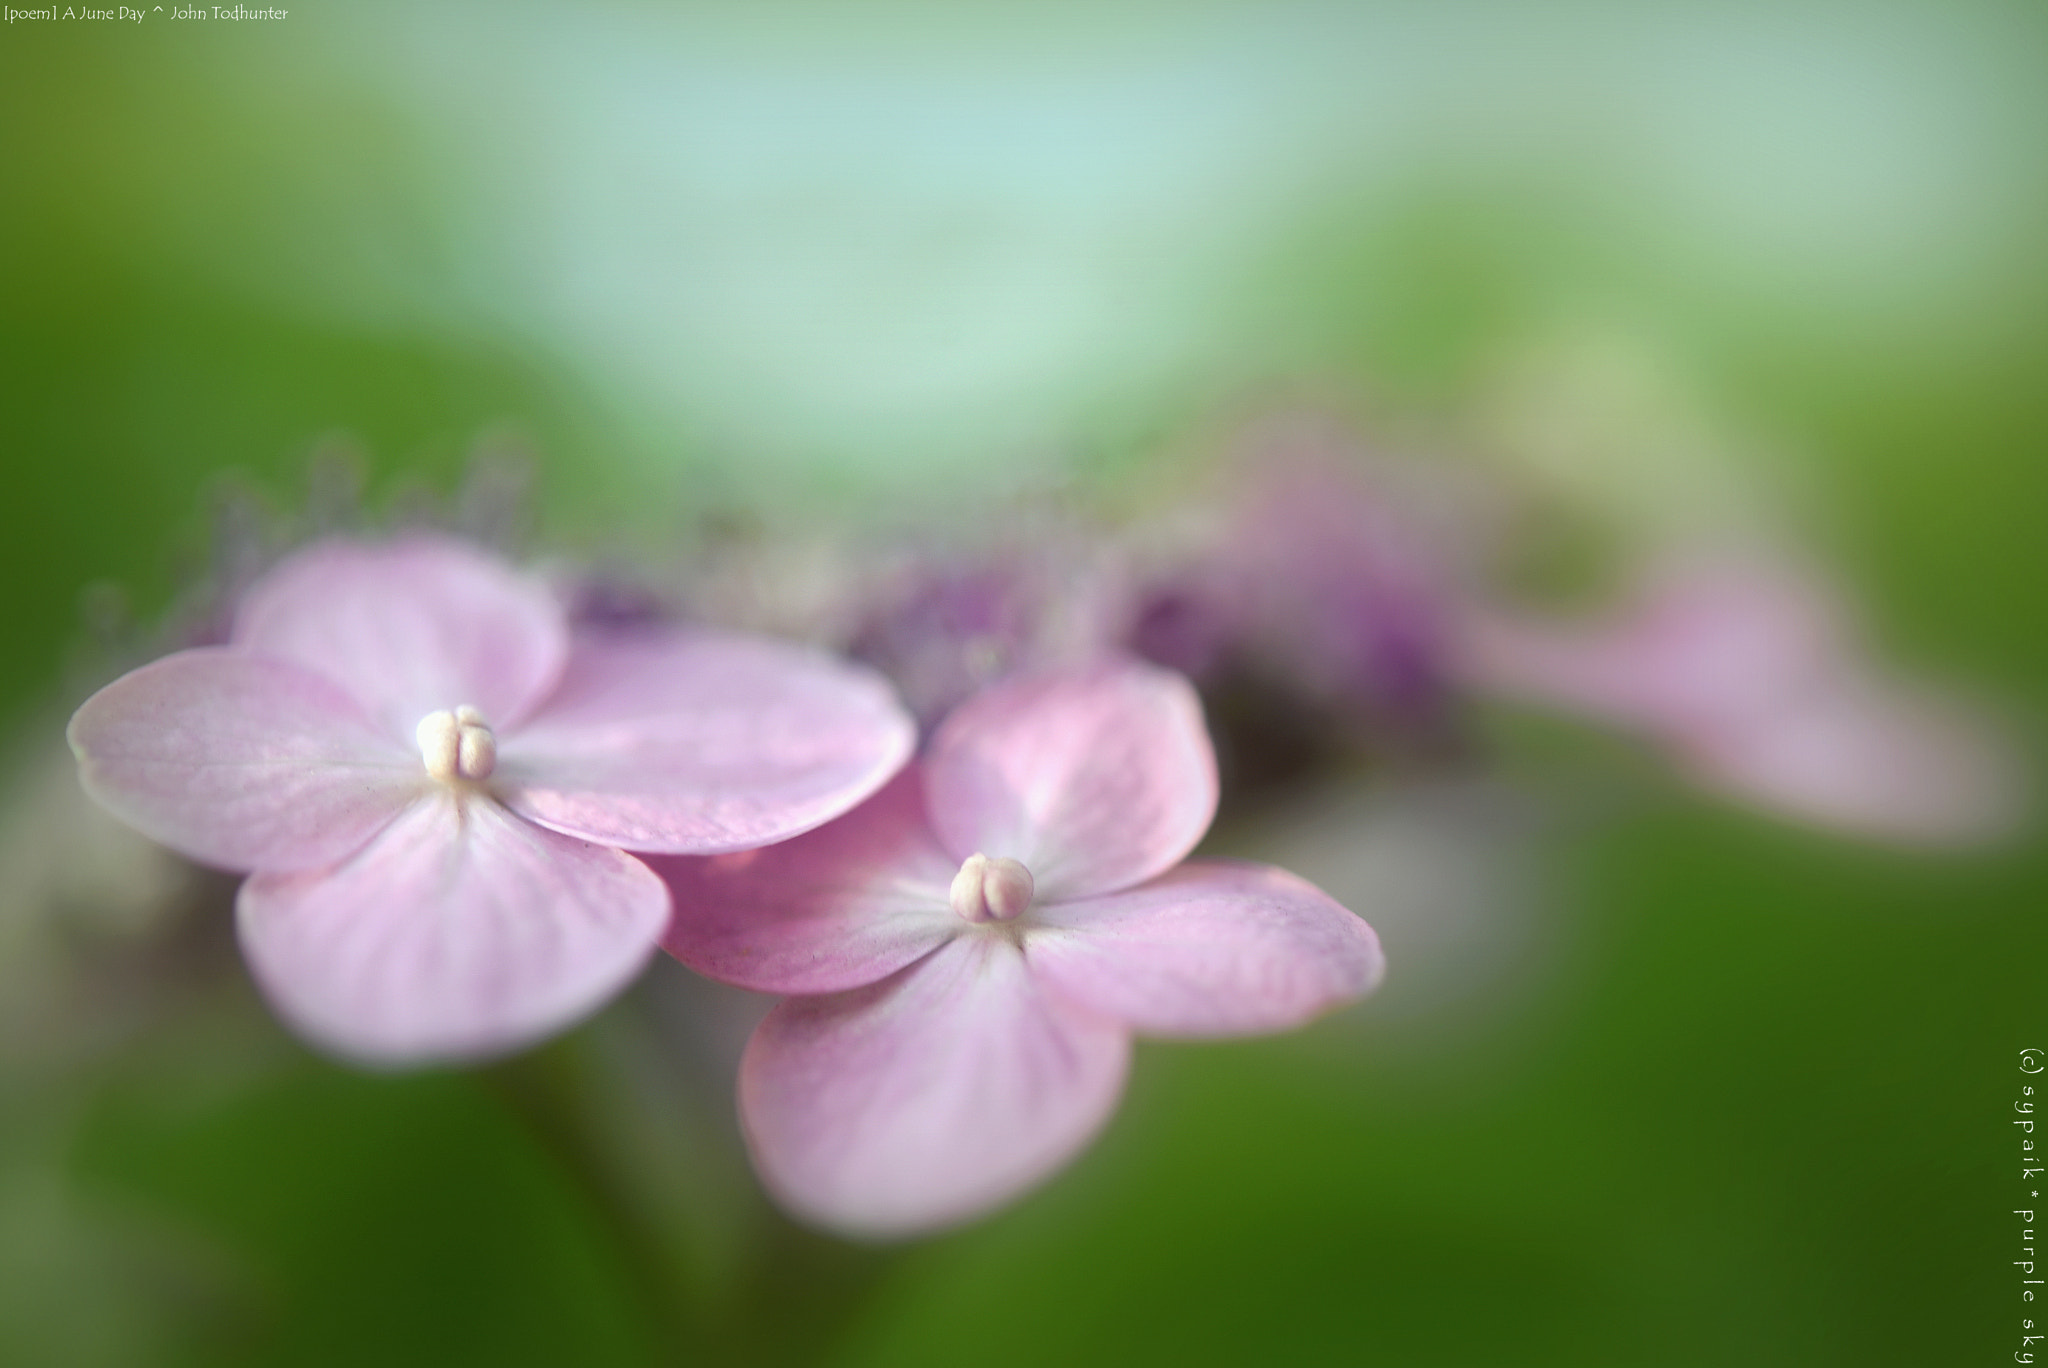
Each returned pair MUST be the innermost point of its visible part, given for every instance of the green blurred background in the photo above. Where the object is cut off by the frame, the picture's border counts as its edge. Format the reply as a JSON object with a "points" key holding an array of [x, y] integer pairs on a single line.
{"points": [[1709, 1090]]}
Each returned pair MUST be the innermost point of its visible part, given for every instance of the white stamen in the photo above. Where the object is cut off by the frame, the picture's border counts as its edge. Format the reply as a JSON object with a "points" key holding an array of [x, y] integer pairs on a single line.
{"points": [[478, 755], [990, 890], [440, 739], [457, 744]]}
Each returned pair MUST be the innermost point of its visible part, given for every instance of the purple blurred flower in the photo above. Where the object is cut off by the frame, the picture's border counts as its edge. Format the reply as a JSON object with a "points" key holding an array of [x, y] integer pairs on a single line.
{"points": [[1345, 592], [946, 631], [1190, 619], [430, 778], [942, 627], [1314, 580], [1744, 669], [971, 950]]}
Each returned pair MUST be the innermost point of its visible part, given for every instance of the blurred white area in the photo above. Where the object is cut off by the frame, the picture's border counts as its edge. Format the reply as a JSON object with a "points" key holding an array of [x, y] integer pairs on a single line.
{"points": [[1445, 871], [75, 885], [69, 869], [914, 240]]}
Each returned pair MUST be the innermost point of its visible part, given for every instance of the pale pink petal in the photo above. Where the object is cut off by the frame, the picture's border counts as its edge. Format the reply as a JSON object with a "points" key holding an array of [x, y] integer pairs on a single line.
{"points": [[1729, 638], [1572, 667], [241, 761], [1868, 761], [1747, 673], [927, 1098], [411, 627], [1213, 948], [1095, 779], [1701, 643], [460, 931], [832, 909], [694, 743]]}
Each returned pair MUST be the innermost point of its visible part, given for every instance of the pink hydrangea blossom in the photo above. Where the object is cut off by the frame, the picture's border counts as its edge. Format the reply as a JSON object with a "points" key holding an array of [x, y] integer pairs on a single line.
{"points": [[1744, 668], [432, 779], [969, 952]]}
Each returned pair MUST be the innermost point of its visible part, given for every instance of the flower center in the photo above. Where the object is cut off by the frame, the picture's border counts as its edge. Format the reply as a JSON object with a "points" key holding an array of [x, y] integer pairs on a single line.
{"points": [[457, 744], [988, 890]]}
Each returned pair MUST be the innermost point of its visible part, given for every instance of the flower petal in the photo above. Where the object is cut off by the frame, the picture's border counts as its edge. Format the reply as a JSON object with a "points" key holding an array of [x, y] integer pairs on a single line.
{"points": [[241, 761], [1096, 779], [460, 931], [1866, 760], [836, 908], [927, 1098], [1703, 644], [411, 627], [694, 743], [1213, 948], [1747, 673]]}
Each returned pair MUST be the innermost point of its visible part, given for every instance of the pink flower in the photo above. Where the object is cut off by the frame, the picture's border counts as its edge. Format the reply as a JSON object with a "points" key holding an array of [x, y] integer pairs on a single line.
{"points": [[1744, 669], [971, 950], [429, 778]]}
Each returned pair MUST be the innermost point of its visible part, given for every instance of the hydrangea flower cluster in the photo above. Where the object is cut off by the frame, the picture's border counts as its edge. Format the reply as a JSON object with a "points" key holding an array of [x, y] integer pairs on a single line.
{"points": [[470, 815], [434, 782]]}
